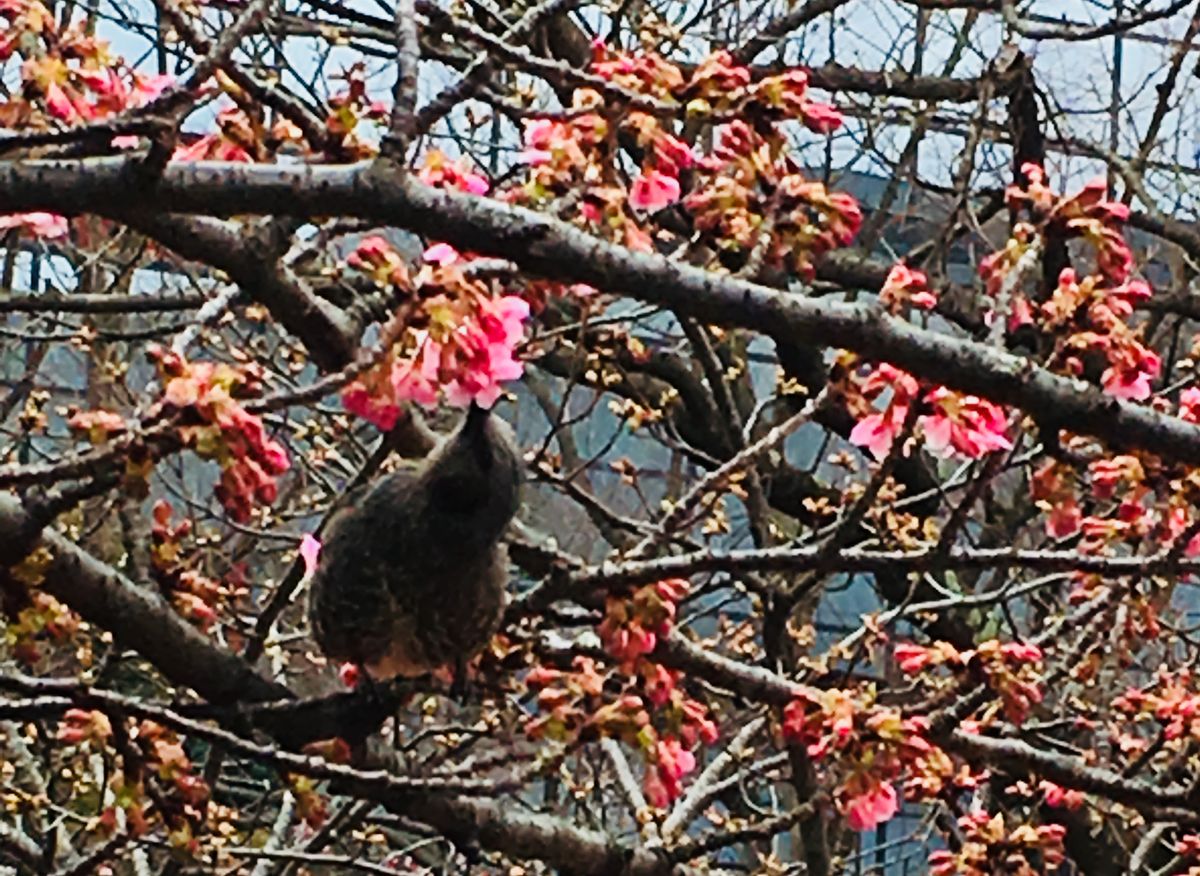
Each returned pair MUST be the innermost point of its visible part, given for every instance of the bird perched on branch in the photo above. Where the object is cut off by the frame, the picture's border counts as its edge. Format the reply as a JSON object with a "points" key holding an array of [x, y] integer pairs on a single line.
{"points": [[412, 576]]}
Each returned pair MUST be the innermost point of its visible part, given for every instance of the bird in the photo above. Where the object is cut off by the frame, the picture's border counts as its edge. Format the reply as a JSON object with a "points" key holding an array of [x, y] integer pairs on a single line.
{"points": [[412, 575]]}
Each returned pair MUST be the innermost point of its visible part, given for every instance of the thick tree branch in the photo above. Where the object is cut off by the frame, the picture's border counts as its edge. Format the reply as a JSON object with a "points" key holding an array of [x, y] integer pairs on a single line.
{"points": [[548, 247], [138, 618], [251, 260]]}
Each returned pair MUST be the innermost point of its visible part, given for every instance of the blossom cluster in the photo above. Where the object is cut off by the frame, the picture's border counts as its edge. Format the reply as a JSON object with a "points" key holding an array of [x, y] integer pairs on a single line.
{"points": [[744, 189], [988, 846], [869, 747], [1088, 317], [956, 423], [1172, 701], [33, 615], [456, 339], [1010, 668], [205, 396], [659, 719], [67, 75], [1119, 500], [193, 594], [153, 754], [905, 286]]}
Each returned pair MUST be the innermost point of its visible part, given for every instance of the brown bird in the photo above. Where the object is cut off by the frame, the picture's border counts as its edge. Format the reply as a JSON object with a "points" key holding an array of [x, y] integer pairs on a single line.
{"points": [[412, 575]]}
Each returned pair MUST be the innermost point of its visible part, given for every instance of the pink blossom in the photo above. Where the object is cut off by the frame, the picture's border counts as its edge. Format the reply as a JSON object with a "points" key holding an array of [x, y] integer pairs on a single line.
{"points": [[105, 82], [349, 674], [146, 88], [653, 191], [441, 173], [1189, 404], [44, 225], [1131, 293], [660, 683], [125, 141], [310, 550], [501, 318], [906, 285], [480, 381], [673, 155], [540, 137], [627, 643], [964, 424], [274, 457], [381, 412], [877, 806], [821, 118], [1122, 381], [911, 658], [474, 183], [441, 254], [697, 725], [58, 103], [876, 432], [416, 379], [485, 352], [534, 157], [1059, 797], [372, 250], [1064, 519], [673, 762], [81, 725]]}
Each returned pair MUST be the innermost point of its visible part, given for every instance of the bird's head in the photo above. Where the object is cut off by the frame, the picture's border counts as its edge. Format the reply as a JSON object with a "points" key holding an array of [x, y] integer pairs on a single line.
{"points": [[475, 476]]}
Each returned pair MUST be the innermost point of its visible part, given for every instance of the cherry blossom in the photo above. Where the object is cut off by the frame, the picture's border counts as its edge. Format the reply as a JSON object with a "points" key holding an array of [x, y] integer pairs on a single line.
{"points": [[905, 285], [84, 725], [416, 379], [672, 155], [250, 461], [349, 674], [1189, 404], [381, 411], [483, 368], [963, 424], [441, 254], [956, 424], [45, 225], [867, 810], [653, 190], [821, 117], [310, 550], [1057, 796], [672, 762], [440, 172], [878, 431], [1130, 374]]}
